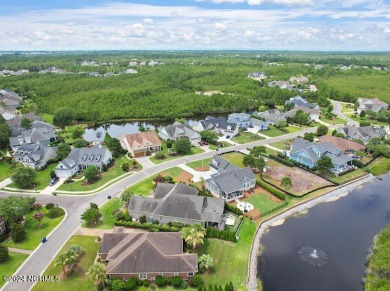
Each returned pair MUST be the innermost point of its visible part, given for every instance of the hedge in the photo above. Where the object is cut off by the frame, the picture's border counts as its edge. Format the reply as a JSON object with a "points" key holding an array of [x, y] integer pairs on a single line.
{"points": [[212, 232], [271, 189], [149, 226], [282, 160], [233, 209]]}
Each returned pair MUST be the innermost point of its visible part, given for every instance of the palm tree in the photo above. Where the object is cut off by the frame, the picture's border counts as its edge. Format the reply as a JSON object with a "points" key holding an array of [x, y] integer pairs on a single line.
{"points": [[97, 273], [66, 259], [193, 235], [206, 262]]}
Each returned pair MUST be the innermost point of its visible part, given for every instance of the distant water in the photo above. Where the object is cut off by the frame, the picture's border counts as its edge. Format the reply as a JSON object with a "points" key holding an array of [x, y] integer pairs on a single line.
{"points": [[343, 230]]}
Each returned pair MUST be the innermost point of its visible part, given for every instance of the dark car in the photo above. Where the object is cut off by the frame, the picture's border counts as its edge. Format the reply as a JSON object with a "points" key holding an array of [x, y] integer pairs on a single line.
{"points": [[228, 136], [53, 181]]}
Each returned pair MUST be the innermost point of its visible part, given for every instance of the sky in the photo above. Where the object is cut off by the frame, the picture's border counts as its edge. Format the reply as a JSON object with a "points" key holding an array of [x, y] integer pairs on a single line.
{"points": [[342, 25]]}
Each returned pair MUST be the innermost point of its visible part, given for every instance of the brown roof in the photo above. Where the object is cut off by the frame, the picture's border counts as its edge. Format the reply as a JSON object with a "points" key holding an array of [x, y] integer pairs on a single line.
{"points": [[142, 139], [132, 253], [341, 143]]}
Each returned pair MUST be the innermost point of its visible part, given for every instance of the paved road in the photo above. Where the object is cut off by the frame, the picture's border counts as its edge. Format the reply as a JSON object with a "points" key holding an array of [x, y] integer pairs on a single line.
{"points": [[75, 206], [338, 110]]}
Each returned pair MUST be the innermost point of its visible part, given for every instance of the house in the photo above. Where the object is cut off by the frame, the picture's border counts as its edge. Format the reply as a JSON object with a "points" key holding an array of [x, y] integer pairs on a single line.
{"points": [[229, 181], [7, 114], [3, 227], [300, 101], [146, 255], [365, 133], [346, 146], [80, 158], [314, 114], [41, 133], [281, 85], [300, 80], [34, 155], [257, 76], [219, 125], [374, 105], [139, 144], [259, 124], [272, 116], [178, 203], [243, 120], [9, 101], [179, 130], [308, 154], [15, 122]]}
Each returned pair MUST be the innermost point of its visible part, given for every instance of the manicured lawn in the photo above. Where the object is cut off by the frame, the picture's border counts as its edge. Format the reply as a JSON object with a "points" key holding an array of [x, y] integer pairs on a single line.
{"points": [[33, 232], [273, 131], [245, 137], [283, 145], [199, 164], [379, 166], [80, 280], [13, 263], [194, 151], [145, 186], [106, 210], [230, 259], [360, 119], [235, 158], [222, 144], [48, 118], [347, 107], [112, 173], [333, 120], [5, 169], [42, 178], [262, 202]]}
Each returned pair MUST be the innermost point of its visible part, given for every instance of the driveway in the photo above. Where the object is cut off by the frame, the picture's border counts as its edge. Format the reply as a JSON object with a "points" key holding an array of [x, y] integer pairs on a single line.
{"points": [[75, 205], [338, 110]]}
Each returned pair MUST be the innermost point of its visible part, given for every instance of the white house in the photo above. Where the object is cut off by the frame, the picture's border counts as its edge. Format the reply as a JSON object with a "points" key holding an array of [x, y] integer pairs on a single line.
{"points": [[177, 131]]}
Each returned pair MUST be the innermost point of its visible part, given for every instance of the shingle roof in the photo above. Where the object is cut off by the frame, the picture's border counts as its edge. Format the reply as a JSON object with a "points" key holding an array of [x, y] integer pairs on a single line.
{"points": [[142, 139], [300, 101], [36, 154], [181, 201], [92, 156], [146, 253], [218, 122], [342, 143], [221, 164], [178, 128], [359, 132]]}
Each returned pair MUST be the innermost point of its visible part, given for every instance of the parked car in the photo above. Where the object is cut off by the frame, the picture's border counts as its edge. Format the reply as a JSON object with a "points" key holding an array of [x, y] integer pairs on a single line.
{"points": [[228, 136], [53, 181]]}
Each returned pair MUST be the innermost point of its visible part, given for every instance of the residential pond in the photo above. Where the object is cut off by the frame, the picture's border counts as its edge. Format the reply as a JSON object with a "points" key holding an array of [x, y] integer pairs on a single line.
{"points": [[327, 248]]}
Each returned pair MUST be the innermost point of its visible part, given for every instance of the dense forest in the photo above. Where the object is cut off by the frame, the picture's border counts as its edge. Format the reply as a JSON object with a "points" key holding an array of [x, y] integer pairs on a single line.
{"points": [[168, 90]]}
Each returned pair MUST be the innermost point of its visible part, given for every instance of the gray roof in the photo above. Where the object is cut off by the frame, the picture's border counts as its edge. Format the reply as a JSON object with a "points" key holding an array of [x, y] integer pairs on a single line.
{"points": [[92, 156], [239, 117], [359, 132], [218, 122], [180, 201], [229, 178], [35, 154], [272, 115], [134, 253], [259, 122], [306, 110], [39, 132], [300, 101], [177, 129]]}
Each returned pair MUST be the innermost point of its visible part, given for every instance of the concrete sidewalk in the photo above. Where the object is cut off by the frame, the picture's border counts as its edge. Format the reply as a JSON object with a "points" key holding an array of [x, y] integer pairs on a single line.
{"points": [[20, 251], [5, 183]]}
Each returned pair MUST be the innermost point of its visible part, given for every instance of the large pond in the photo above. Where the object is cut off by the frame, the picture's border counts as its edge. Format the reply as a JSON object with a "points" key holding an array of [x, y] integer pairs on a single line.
{"points": [[327, 248]]}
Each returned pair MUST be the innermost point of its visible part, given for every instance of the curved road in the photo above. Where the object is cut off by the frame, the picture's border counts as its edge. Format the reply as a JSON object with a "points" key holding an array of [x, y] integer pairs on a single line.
{"points": [[75, 205], [338, 110]]}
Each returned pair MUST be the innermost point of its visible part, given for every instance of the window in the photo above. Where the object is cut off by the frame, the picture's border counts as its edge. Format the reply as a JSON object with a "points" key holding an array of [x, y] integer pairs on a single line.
{"points": [[175, 274], [143, 276], [190, 274]]}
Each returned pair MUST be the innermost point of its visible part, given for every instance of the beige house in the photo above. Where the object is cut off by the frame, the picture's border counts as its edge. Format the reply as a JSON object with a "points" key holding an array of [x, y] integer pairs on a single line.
{"points": [[138, 144]]}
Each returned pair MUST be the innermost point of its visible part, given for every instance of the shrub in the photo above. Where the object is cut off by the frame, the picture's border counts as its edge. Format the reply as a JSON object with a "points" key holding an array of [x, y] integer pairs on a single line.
{"points": [[3, 236], [120, 216], [212, 232], [357, 163], [139, 282], [55, 212], [160, 281], [18, 233], [160, 155], [142, 219], [155, 221], [169, 143], [93, 205], [49, 206], [117, 285], [131, 283], [146, 283], [4, 255], [125, 167], [36, 206], [183, 284], [197, 280], [176, 281]]}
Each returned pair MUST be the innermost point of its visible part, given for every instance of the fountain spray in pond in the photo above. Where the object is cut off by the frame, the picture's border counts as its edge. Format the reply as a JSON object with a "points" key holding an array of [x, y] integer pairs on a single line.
{"points": [[313, 256]]}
